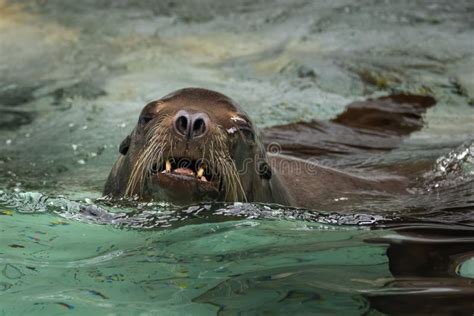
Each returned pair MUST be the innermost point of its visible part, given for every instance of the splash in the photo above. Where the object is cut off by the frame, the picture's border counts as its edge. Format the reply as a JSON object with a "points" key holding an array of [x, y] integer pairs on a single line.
{"points": [[452, 169]]}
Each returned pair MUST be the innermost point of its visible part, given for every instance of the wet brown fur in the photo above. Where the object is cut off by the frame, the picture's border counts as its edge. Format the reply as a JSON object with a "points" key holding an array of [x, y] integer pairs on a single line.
{"points": [[130, 176], [289, 180]]}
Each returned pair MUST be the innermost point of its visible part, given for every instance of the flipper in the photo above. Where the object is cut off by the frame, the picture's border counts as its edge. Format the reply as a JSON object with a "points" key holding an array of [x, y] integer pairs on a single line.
{"points": [[365, 126]]}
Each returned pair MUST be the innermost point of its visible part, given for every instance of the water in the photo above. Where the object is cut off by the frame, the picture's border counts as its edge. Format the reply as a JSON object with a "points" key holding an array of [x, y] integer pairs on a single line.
{"points": [[74, 76]]}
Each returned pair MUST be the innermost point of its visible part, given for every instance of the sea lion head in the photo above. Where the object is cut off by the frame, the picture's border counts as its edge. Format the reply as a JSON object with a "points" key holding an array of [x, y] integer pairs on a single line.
{"points": [[192, 145]]}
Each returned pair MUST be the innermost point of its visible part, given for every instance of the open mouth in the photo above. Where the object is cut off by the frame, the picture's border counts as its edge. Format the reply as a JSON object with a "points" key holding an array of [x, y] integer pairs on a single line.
{"points": [[184, 168], [186, 179]]}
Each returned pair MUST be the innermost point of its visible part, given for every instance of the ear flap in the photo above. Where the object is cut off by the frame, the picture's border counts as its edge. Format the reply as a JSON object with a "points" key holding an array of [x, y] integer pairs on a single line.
{"points": [[264, 170], [124, 145]]}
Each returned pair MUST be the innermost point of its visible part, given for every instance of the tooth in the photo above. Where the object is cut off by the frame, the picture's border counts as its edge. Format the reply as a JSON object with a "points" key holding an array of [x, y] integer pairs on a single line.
{"points": [[168, 166], [200, 172], [203, 179]]}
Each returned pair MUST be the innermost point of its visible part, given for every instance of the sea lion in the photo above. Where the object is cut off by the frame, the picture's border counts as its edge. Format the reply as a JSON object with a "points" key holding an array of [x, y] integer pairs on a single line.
{"points": [[195, 145], [198, 145]]}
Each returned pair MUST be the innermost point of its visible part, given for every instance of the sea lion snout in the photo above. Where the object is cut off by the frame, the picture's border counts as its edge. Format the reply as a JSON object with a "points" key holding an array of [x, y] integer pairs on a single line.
{"points": [[191, 125]]}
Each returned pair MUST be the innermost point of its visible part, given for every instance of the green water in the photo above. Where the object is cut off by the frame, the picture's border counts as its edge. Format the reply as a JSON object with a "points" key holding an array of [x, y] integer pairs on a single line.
{"points": [[73, 78], [49, 262]]}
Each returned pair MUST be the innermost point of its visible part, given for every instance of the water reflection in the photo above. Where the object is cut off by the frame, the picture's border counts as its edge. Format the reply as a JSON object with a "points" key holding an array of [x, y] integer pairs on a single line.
{"points": [[425, 261]]}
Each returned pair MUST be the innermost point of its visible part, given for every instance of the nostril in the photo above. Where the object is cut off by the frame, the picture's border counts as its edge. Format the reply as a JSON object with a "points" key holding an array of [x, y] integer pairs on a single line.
{"points": [[181, 125], [199, 127], [191, 124]]}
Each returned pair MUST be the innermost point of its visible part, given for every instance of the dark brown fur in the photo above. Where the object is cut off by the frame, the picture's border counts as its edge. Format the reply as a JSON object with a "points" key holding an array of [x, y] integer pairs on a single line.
{"points": [[273, 178]]}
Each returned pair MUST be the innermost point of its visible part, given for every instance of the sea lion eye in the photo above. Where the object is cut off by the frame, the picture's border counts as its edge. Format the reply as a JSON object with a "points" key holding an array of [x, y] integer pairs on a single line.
{"points": [[247, 132], [244, 126], [146, 118]]}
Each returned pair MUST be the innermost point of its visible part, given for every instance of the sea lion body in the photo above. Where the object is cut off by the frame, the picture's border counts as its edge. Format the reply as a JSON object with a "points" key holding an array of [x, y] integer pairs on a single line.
{"points": [[224, 160], [312, 185]]}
